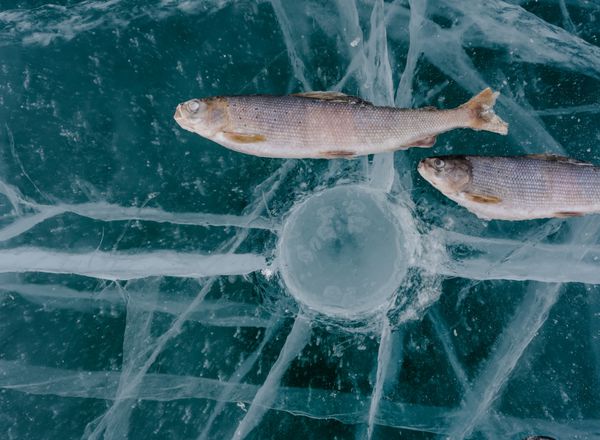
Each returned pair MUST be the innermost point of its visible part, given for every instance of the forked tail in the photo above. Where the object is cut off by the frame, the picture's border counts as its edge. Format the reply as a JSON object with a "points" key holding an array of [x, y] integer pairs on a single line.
{"points": [[481, 113]]}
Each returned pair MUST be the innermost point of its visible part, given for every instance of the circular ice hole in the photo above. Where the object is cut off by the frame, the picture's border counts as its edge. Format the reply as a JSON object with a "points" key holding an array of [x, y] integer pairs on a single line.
{"points": [[342, 252]]}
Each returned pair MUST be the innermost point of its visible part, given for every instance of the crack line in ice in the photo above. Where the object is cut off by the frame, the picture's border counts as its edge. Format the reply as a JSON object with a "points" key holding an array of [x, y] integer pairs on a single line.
{"points": [[212, 313], [349, 23], [443, 335], [127, 266], [295, 60], [496, 258], [115, 423], [111, 212], [314, 403], [509, 348], [153, 350], [531, 39], [383, 360], [24, 224], [567, 22], [564, 111], [417, 16], [451, 59], [13, 150], [104, 211], [381, 91], [297, 339], [239, 374]]}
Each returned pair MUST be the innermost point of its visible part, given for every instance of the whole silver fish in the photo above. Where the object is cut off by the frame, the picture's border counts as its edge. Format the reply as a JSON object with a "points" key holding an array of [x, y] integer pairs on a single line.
{"points": [[327, 124], [516, 188]]}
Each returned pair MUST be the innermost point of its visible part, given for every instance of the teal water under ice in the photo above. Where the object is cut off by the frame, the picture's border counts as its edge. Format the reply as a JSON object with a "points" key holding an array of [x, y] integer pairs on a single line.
{"points": [[154, 285]]}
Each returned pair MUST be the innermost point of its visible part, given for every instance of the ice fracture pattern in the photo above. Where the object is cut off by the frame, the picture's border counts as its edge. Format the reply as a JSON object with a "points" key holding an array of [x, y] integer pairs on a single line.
{"points": [[156, 285]]}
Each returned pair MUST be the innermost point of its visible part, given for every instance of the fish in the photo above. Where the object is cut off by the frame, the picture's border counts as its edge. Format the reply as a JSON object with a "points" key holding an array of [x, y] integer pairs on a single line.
{"points": [[327, 125], [518, 187]]}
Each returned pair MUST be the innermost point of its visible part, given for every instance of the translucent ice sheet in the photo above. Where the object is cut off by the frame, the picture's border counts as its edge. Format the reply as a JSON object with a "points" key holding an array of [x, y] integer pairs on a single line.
{"points": [[156, 285]]}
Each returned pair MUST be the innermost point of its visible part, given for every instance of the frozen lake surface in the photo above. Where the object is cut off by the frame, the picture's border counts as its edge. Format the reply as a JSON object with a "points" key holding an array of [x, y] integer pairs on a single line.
{"points": [[155, 285]]}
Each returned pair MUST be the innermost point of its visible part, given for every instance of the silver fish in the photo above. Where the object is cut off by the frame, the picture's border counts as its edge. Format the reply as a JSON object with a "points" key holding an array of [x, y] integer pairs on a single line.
{"points": [[516, 188], [327, 124]]}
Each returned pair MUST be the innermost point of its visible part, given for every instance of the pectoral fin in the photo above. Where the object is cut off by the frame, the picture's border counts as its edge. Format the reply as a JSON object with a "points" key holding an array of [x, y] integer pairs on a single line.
{"points": [[243, 138], [333, 97], [482, 198], [567, 214]]}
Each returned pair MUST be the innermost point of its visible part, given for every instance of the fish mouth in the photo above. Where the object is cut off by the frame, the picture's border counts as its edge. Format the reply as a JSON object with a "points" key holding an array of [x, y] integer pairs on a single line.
{"points": [[178, 113], [422, 167], [181, 118]]}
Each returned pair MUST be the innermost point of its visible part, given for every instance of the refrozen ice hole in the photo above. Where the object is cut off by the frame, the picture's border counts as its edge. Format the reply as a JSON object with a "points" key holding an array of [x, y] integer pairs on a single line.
{"points": [[342, 252]]}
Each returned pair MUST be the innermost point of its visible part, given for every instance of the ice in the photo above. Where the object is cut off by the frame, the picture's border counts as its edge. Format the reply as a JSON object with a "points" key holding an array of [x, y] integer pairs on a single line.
{"points": [[559, 111], [105, 211], [506, 259], [567, 22], [444, 336], [295, 60], [508, 350], [155, 285], [267, 393], [214, 313], [50, 22], [127, 266], [383, 359], [528, 35], [345, 408], [237, 377], [137, 336], [416, 39]]}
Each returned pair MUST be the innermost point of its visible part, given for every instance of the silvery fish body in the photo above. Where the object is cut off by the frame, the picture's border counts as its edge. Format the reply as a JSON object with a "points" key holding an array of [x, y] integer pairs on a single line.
{"points": [[516, 188], [327, 124]]}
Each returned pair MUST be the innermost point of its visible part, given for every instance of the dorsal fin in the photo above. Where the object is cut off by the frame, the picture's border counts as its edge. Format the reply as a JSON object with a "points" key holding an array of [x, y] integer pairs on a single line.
{"points": [[556, 158], [333, 97]]}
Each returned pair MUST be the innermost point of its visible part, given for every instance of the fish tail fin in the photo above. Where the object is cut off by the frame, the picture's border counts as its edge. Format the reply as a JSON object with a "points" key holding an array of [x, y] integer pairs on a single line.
{"points": [[481, 113]]}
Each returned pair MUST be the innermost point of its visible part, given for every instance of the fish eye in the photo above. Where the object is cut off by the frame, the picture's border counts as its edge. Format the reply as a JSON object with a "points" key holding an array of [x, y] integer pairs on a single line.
{"points": [[438, 163], [193, 106]]}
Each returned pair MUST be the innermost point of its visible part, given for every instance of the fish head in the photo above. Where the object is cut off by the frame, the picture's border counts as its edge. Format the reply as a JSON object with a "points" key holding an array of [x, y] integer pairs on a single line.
{"points": [[449, 174], [205, 117]]}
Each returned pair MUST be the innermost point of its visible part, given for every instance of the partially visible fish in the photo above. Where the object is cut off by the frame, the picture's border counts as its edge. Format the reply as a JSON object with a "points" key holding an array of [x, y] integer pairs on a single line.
{"points": [[327, 124], [516, 188]]}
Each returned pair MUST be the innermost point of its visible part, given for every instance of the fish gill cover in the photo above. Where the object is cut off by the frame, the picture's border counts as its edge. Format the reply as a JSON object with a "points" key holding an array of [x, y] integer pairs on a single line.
{"points": [[155, 285]]}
